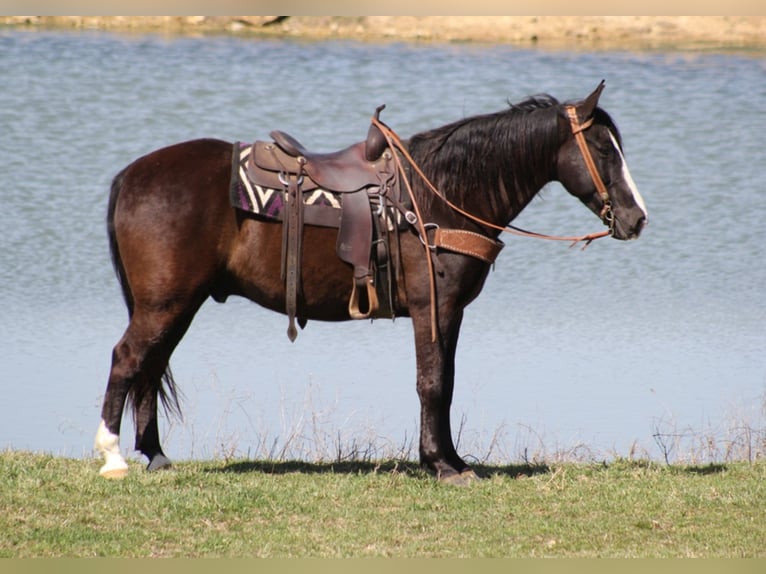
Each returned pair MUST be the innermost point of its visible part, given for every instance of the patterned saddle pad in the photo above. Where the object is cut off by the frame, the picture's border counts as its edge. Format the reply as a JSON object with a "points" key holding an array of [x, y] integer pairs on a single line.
{"points": [[268, 203]]}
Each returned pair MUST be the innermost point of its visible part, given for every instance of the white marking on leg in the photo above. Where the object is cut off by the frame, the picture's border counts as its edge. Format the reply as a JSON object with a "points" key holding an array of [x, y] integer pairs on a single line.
{"points": [[629, 179], [108, 444]]}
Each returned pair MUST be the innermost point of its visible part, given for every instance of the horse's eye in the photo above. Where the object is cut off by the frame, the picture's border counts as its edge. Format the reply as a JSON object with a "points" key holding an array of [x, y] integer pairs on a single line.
{"points": [[604, 151]]}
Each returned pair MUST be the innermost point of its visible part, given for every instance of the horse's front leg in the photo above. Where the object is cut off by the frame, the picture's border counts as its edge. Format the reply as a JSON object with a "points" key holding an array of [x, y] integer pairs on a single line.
{"points": [[435, 384]]}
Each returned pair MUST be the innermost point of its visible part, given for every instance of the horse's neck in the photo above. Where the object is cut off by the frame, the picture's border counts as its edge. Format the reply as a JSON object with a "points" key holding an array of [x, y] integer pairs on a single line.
{"points": [[518, 182], [493, 181]]}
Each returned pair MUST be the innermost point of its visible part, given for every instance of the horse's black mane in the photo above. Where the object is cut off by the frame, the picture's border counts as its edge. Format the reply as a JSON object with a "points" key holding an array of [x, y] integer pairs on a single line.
{"points": [[435, 138], [533, 103], [509, 150]]}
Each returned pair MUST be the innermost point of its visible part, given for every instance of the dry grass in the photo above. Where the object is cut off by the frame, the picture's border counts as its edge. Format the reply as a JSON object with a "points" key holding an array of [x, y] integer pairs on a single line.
{"points": [[708, 32]]}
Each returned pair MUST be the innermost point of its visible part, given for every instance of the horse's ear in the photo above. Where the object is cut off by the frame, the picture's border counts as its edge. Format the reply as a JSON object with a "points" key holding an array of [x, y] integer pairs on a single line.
{"points": [[586, 107]]}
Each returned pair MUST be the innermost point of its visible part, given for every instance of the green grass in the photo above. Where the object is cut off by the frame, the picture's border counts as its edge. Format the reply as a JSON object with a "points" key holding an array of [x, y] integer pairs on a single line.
{"points": [[53, 506]]}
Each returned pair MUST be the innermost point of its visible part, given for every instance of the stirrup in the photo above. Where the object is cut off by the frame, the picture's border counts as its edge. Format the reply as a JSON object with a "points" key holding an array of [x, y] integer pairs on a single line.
{"points": [[372, 300]]}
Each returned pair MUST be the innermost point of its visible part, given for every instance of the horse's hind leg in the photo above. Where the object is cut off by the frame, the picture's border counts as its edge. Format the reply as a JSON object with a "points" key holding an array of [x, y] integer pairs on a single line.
{"points": [[138, 363], [148, 434]]}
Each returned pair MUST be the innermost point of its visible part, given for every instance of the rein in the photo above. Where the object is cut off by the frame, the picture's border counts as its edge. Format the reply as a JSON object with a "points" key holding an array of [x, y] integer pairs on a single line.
{"points": [[395, 143], [606, 213]]}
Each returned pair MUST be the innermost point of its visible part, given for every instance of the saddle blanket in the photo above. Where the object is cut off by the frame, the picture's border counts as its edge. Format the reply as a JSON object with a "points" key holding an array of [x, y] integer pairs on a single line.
{"points": [[262, 201]]}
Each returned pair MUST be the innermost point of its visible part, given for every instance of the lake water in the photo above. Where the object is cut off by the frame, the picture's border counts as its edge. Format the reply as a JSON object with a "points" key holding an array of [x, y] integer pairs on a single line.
{"points": [[565, 351]]}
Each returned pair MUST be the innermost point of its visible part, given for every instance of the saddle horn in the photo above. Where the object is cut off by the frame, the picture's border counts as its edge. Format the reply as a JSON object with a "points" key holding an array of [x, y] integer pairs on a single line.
{"points": [[376, 142]]}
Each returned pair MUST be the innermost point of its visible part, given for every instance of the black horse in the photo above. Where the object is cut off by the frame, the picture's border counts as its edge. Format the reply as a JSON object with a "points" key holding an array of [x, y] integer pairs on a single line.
{"points": [[176, 241]]}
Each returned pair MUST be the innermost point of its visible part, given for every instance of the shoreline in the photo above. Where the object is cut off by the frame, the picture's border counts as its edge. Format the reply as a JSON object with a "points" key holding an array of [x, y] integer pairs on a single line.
{"points": [[709, 33]]}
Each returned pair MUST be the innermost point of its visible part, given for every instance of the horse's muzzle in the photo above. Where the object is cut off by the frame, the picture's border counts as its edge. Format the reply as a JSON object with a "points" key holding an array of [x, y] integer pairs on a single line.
{"points": [[629, 231]]}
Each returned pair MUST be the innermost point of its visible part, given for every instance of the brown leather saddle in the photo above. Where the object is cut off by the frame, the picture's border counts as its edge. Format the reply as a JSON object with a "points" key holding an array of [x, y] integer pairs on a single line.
{"points": [[362, 175]]}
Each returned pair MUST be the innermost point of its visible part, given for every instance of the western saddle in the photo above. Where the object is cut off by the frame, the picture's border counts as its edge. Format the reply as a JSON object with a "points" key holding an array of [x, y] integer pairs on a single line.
{"points": [[365, 177]]}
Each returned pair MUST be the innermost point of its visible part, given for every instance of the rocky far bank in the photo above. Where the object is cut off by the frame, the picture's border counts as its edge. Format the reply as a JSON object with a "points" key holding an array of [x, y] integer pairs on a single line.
{"points": [[585, 32]]}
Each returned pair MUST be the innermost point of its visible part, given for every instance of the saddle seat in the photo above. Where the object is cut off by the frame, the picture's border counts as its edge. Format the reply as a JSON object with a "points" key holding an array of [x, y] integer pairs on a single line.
{"points": [[346, 170], [341, 171]]}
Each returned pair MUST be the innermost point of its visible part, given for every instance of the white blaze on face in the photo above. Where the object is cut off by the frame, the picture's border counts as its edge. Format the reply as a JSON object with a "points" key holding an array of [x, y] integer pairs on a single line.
{"points": [[108, 444], [629, 179]]}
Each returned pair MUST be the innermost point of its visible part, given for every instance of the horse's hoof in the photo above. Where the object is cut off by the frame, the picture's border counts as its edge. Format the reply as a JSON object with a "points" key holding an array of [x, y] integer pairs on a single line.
{"points": [[465, 478], [159, 462], [114, 470], [469, 475]]}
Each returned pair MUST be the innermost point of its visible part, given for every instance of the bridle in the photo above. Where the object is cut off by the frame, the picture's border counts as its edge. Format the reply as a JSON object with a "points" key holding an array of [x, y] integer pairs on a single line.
{"points": [[607, 216]]}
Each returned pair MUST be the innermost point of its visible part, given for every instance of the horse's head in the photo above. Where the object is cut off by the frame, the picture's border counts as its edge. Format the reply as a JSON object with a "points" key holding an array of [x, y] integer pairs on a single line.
{"points": [[591, 166]]}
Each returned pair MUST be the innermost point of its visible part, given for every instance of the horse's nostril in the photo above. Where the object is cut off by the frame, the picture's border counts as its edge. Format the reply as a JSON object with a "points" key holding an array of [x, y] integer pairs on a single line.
{"points": [[640, 224]]}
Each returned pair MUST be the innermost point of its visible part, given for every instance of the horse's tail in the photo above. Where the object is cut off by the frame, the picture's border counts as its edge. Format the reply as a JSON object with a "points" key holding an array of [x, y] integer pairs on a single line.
{"points": [[114, 248], [167, 390]]}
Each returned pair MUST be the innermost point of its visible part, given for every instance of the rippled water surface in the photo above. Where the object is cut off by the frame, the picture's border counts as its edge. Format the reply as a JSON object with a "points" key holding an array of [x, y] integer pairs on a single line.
{"points": [[602, 347]]}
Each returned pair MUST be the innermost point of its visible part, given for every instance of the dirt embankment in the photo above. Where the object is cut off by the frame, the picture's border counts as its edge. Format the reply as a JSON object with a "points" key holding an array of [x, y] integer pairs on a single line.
{"points": [[585, 32]]}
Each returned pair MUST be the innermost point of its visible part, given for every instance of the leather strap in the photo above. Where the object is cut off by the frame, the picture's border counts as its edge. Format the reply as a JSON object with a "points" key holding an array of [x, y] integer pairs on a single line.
{"points": [[577, 130], [354, 247], [291, 251], [468, 243]]}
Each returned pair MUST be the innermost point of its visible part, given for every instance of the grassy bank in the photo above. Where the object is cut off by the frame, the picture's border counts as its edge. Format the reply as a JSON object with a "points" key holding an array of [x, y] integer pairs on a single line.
{"points": [[54, 506]]}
